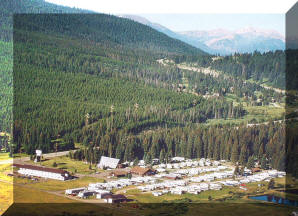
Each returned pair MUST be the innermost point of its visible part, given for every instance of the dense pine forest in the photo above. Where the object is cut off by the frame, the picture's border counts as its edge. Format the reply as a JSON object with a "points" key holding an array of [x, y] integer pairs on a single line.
{"points": [[266, 68], [7, 10], [236, 144], [58, 80], [94, 79], [6, 89], [263, 68]]}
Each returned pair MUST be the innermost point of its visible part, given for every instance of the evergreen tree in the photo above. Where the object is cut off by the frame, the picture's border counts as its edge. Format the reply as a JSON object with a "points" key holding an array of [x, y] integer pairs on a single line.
{"points": [[235, 153], [54, 164], [162, 156], [250, 163], [264, 162], [243, 155], [236, 170], [136, 162], [271, 184], [148, 159]]}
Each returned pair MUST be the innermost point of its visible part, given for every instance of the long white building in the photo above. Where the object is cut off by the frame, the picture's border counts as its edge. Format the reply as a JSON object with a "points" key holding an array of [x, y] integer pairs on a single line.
{"points": [[43, 172]]}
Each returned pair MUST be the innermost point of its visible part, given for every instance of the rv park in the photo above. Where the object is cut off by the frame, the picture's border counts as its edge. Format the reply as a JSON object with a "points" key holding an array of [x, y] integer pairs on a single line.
{"points": [[109, 181]]}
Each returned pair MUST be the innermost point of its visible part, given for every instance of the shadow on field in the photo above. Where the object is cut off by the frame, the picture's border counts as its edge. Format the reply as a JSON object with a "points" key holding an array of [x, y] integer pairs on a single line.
{"points": [[166, 209]]}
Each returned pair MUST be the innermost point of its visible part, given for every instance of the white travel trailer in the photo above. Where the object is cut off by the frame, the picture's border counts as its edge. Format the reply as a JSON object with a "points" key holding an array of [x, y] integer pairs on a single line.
{"points": [[169, 166], [178, 159], [162, 165], [204, 186], [101, 193], [74, 191], [157, 193], [86, 193], [214, 186]]}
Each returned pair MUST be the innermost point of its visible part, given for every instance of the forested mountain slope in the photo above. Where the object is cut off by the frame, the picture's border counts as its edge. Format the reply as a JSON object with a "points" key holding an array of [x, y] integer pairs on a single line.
{"points": [[101, 27], [268, 68], [10, 7], [107, 30], [7, 9], [61, 76]]}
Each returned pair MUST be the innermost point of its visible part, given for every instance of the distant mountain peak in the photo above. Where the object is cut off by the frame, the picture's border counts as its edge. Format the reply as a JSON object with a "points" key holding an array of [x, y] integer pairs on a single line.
{"points": [[247, 39], [220, 40], [261, 32]]}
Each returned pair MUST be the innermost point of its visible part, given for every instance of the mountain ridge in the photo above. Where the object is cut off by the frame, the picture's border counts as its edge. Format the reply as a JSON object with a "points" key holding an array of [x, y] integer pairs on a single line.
{"points": [[223, 41], [248, 39], [98, 26]]}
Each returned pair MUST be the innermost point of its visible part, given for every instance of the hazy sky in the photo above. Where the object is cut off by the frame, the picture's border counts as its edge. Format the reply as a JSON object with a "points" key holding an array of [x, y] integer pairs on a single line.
{"points": [[183, 22], [194, 14]]}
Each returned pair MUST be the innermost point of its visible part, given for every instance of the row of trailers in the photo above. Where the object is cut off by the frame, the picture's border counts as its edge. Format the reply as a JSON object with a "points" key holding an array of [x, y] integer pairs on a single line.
{"points": [[106, 195]]}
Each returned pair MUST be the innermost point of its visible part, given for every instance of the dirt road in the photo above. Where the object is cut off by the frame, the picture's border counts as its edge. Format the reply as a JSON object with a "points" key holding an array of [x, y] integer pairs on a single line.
{"points": [[48, 155], [214, 73]]}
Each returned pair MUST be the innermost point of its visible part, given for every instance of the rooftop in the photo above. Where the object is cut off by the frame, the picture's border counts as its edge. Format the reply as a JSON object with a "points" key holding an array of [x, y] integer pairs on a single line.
{"points": [[45, 169]]}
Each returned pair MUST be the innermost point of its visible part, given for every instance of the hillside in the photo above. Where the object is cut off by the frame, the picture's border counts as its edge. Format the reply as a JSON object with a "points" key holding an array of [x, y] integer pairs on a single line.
{"points": [[101, 27], [7, 9], [62, 75], [108, 30], [263, 68], [11, 7], [170, 33]]}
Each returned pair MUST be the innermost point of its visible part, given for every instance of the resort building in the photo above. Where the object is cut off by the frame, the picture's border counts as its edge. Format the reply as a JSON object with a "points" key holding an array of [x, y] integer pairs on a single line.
{"points": [[107, 162], [119, 173], [42, 172], [142, 171]]}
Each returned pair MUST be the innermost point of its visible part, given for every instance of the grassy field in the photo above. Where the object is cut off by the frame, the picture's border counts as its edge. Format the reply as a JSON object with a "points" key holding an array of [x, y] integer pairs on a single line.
{"points": [[56, 185], [30, 195], [72, 166], [254, 114], [147, 197], [4, 156], [20, 155], [6, 197], [6, 188], [236, 209], [266, 112], [68, 209]]}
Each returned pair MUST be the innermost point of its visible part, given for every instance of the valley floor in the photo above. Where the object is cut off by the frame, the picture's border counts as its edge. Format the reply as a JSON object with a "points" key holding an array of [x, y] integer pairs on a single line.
{"points": [[52, 191]]}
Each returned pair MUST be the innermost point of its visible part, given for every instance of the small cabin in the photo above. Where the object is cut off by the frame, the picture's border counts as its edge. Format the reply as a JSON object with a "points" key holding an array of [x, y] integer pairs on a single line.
{"points": [[119, 173], [142, 171]]}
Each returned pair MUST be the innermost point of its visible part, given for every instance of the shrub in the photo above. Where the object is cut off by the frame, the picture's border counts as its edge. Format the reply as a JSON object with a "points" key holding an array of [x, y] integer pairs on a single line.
{"points": [[54, 164]]}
